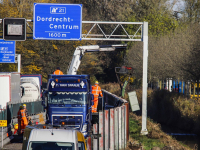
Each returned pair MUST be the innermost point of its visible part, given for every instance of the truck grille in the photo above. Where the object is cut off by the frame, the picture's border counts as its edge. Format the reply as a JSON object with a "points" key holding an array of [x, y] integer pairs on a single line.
{"points": [[71, 121]]}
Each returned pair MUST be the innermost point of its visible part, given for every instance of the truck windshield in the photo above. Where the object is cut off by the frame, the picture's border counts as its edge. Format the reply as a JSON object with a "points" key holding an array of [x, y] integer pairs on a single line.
{"points": [[67, 98], [43, 145]]}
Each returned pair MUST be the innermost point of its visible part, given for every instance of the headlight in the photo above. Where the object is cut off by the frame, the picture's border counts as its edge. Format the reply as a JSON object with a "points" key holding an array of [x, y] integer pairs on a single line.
{"points": [[84, 129], [85, 134]]}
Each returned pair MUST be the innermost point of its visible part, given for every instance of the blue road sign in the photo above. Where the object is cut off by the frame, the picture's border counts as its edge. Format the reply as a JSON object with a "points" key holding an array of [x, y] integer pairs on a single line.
{"points": [[57, 21], [7, 51]]}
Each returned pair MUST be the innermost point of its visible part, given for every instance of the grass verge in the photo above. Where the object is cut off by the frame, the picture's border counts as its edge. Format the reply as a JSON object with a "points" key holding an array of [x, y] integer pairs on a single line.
{"points": [[155, 137]]}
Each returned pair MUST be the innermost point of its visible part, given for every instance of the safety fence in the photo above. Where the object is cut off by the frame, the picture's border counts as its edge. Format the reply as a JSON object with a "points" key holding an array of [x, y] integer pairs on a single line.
{"points": [[35, 119], [10, 113], [113, 126]]}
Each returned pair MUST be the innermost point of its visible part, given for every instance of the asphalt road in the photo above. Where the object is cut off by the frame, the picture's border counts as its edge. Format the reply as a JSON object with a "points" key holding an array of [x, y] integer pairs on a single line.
{"points": [[15, 144]]}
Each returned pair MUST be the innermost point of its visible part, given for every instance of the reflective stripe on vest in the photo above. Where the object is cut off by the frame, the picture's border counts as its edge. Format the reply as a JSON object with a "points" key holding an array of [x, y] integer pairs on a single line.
{"points": [[94, 109], [96, 90], [23, 113]]}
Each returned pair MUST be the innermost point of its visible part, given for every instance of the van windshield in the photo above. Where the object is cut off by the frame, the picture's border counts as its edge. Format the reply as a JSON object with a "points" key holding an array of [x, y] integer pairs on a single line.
{"points": [[67, 98], [38, 145]]}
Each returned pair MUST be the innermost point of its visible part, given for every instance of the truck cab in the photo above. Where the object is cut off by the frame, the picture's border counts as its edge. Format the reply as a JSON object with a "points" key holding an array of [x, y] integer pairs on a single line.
{"points": [[47, 137], [67, 101]]}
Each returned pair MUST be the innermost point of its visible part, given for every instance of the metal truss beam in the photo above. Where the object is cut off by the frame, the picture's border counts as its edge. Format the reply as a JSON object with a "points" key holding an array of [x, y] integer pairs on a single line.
{"points": [[137, 36]]}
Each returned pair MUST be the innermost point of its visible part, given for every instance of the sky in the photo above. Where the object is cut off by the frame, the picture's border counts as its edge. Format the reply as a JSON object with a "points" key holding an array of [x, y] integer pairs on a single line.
{"points": [[179, 5]]}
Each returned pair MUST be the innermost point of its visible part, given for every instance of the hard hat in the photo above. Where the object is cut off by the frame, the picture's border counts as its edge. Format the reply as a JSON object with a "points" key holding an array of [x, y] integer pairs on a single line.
{"points": [[20, 107], [24, 105], [96, 82]]}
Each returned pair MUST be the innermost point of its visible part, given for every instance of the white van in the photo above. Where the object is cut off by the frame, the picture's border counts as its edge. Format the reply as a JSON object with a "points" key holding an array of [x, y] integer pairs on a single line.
{"points": [[40, 137]]}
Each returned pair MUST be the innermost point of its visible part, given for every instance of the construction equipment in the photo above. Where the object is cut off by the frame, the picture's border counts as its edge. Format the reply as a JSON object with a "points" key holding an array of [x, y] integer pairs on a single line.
{"points": [[81, 50], [123, 70]]}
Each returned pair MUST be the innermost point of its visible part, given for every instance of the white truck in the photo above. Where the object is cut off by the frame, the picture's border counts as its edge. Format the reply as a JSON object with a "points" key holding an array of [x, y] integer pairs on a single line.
{"points": [[9, 88], [31, 85], [31, 89], [46, 137]]}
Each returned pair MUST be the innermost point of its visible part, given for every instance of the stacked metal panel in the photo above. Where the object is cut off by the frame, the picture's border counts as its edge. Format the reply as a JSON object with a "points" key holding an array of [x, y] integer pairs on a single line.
{"points": [[113, 129]]}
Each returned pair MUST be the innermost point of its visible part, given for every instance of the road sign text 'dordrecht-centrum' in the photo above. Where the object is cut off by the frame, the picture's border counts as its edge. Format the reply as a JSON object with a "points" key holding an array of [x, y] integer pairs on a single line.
{"points": [[57, 21]]}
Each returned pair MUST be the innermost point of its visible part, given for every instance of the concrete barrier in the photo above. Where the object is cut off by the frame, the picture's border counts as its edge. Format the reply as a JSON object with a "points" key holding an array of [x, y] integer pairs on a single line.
{"points": [[7, 135], [6, 140]]}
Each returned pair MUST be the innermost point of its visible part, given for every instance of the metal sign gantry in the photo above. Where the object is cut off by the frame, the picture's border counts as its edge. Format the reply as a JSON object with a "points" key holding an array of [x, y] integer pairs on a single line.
{"points": [[93, 30], [141, 34]]}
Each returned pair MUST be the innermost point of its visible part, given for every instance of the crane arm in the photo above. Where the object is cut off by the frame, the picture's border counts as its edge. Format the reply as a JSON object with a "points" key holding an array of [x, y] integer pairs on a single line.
{"points": [[80, 51]]}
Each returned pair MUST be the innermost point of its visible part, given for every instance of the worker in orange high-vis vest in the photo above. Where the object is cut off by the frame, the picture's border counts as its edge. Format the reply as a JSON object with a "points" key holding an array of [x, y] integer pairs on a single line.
{"points": [[26, 111], [96, 91], [19, 120], [24, 121], [58, 72]]}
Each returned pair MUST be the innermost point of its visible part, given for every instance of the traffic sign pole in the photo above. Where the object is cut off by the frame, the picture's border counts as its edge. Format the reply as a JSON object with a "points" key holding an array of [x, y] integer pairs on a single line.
{"points": [[2, 137]]}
